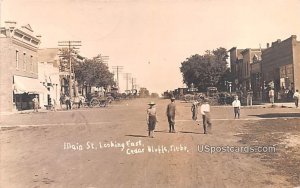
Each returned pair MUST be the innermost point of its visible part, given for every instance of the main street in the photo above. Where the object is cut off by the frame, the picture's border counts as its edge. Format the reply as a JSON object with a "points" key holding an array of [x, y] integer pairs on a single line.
{"points": [[109, 147]]}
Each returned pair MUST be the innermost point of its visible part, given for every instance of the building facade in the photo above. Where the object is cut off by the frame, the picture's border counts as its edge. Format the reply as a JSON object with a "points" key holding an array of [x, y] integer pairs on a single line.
{"points": [[281, 68], [244, 63], [49, 75], [19, 67]]}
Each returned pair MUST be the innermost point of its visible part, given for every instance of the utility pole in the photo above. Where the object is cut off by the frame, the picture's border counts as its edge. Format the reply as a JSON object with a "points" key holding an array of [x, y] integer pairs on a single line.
{"points": [[118, 69], [133, 80], [127, 77], [102, 59], [0, 13], [70, 45]]}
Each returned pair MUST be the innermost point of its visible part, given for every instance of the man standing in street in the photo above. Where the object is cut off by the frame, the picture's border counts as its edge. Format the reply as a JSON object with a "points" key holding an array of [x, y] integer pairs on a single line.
{"points": [[205, 111], [171, 108], [35, 101], [236, 107], [194, 110], [296, 97], [68, 102], [151, 119], [271, 95]]}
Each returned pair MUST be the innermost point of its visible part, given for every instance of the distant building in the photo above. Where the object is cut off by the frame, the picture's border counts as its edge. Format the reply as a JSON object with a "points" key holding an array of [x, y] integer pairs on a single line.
{"points": [[49, 75], [244, 64], [18, 67], [281, 67], [235, 57]]}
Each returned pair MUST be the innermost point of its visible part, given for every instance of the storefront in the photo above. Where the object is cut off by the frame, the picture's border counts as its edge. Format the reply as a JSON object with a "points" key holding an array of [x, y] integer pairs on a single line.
{"points": [[25, 89]]}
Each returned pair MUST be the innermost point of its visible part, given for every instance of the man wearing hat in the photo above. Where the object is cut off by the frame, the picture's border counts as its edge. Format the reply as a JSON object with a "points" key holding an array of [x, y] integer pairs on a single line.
{"points": [[151, 119], [205, 111], [171, 108]]}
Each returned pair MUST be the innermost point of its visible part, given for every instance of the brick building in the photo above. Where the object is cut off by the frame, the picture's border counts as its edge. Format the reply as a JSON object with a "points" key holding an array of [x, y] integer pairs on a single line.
{"points": [[19, 67], [281, 67], [244, 63]]}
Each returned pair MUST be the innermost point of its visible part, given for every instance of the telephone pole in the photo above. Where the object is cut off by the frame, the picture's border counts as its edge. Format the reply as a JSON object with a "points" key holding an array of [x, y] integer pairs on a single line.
{"points": [[102, 59], [70, 45], [118, 69], [127, 77], [133, 81]]}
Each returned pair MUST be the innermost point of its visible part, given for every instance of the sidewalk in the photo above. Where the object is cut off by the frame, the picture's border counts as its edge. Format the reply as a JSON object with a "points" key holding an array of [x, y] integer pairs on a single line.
{"points": [[265, 105], [41, 110], [24, 112], [275, 105]]}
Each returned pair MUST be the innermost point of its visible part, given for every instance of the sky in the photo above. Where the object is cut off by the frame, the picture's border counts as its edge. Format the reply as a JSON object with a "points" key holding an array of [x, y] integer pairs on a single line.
{"points": [[150, 38]]}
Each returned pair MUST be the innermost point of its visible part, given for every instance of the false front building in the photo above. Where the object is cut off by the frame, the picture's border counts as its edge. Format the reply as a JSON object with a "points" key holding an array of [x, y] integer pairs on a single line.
{"points": [[18, 67]]}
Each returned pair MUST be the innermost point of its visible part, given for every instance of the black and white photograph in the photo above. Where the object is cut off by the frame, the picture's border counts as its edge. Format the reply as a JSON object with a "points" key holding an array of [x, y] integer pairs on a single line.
{"points": [[149, 93]]}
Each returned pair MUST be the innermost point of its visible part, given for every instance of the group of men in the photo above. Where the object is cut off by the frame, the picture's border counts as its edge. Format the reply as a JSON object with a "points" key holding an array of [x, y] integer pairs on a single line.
{"points": [[296, 97], [204, 109], [171, 111]]}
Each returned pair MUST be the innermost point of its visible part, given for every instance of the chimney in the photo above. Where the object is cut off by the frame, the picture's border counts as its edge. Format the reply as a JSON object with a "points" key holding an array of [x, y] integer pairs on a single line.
{"points": [[278, 40], [268, 45]]}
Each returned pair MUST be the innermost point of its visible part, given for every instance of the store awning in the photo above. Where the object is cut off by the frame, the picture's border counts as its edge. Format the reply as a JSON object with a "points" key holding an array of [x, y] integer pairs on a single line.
{"points": [[28, 85]]}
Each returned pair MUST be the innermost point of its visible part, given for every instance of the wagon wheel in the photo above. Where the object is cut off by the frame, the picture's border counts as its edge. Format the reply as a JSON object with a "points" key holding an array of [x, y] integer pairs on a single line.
{"points": [[103, 103], [94, 102]]}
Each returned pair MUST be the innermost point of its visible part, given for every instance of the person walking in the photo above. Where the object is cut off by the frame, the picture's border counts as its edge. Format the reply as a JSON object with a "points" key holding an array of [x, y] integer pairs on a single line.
{"points": [[151, 119], [194, 110], [81, 101], [35, 101], [68, 102], [54, 105], [205, 111], [171, 109], [296, 98], [271, 95], [236, 107], [62, 100]]}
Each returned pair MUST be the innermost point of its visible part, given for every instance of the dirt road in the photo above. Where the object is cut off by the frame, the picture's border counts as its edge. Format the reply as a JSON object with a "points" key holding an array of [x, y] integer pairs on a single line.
{"points": [[108, 147]]}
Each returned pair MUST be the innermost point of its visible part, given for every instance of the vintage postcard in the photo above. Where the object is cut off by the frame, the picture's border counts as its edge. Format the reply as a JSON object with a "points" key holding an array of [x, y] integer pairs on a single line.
{"points": [[149, 93]]}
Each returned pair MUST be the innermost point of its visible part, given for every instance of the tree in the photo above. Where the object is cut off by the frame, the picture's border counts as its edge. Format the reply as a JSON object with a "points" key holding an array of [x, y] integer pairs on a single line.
{"points": [[144, 92], [205, 70], [154, 95], [91, 72]]}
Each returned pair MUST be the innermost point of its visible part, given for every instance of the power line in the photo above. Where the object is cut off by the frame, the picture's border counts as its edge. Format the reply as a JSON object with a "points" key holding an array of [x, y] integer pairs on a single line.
{"points": [[118, 69], [71, 46], [102, 59], [127, 76], [133, 82]]}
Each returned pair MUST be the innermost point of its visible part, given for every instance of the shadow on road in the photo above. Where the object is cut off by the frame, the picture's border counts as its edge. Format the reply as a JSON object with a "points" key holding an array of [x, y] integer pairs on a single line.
{"points": [[187, 132], [9, 128], [136, 135], [161, 131], [274, 115]]}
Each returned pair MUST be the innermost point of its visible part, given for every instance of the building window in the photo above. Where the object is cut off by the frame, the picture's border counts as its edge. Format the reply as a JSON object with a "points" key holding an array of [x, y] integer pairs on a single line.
{"points": [[289, 69], [17, 59], [26, 38], [34, 42]]}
